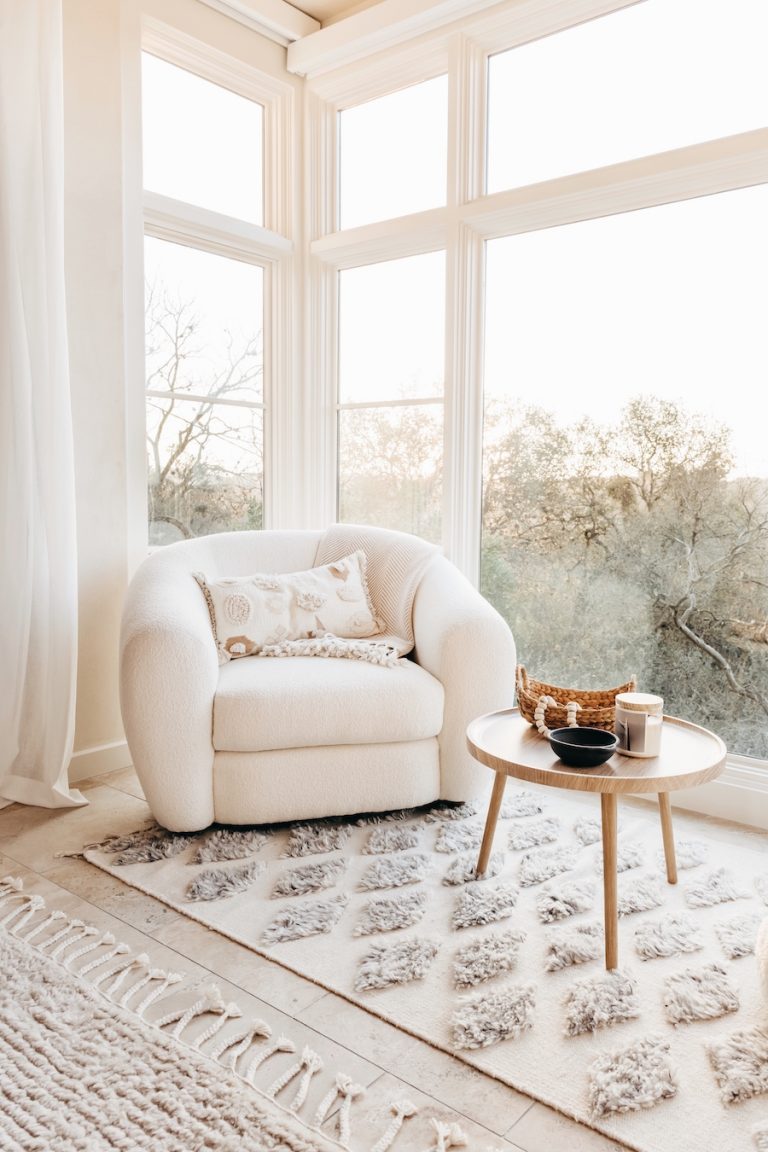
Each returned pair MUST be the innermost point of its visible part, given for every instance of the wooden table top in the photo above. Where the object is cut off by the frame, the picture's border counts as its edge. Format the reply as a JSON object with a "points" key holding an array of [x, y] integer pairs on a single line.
{"points": [[506, 742]]}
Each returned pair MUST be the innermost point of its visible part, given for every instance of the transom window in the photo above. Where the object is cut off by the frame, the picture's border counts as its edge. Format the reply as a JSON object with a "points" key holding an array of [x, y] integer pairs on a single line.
{"points": [[392, 154], [657, 75]]}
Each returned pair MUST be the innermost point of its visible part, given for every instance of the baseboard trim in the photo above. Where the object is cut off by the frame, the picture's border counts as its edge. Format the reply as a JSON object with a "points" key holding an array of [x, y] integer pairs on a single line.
{"points": [[740, 793], [98, 760]]}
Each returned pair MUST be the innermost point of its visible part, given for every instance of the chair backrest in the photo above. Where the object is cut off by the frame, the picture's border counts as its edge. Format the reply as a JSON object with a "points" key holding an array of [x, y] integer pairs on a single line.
{"points": [[241, 553]]}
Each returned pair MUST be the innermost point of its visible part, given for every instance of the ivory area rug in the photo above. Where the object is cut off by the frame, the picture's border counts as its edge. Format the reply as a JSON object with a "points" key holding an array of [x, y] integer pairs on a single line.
{"points": [[99, 1050], [667, 1054]]}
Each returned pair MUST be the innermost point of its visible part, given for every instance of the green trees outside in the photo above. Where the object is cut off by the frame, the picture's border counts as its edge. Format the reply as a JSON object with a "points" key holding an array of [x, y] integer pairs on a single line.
{"points": [[611, 550], [621, 550]]}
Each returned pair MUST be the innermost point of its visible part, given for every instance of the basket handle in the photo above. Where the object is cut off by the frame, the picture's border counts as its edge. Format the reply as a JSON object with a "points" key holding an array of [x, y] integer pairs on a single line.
{"points": [[539, 715]]}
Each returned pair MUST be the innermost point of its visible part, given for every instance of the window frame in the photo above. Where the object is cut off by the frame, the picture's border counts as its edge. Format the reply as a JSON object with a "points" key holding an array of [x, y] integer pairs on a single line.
{"points": [[471, 216], [270, 246]]}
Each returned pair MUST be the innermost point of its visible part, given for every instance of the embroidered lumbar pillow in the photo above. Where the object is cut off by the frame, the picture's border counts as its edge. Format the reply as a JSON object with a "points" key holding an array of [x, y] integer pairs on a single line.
{"points": [[256, 615]]}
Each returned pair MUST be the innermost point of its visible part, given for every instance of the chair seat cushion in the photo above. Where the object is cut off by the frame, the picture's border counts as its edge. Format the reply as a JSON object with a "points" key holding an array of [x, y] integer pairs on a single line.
{"points": [[306, 701]]}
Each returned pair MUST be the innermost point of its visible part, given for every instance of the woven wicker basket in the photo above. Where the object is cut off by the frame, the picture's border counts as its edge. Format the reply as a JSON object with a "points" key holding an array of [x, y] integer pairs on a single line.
{"points": [[598, 709]]}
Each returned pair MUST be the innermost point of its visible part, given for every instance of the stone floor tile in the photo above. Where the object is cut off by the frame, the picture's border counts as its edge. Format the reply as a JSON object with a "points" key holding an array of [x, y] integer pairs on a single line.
{"points": [[542, 1129], [124, 780], [107, 892], [38, 837], [278, 986], [438, 1074], [372, 1114]]}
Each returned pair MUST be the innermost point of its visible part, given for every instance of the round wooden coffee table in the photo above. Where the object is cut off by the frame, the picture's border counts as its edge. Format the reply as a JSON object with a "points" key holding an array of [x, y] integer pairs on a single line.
{"points": [[507, 743]]}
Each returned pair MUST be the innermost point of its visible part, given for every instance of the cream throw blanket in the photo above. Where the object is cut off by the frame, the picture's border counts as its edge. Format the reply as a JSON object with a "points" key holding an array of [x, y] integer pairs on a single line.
{"points": [[396, 563]]}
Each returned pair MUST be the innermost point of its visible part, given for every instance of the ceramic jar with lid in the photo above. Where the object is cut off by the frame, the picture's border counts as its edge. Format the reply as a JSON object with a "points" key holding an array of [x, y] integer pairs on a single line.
{"points": [[639, 717]]}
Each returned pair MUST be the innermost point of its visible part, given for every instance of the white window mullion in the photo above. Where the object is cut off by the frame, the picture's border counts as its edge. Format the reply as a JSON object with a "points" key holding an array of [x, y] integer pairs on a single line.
{"points": [[466, 121], [463, 345], [320, 411], [315, 420], [464, 402]]}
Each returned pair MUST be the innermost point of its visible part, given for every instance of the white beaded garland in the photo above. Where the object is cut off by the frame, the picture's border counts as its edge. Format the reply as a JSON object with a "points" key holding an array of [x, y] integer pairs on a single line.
{"points": [[571, 709], [539, 715]]}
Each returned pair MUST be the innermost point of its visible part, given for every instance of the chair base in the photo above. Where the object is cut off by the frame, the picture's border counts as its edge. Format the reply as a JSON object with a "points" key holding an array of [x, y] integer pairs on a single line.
{"points": [[338, 780]]}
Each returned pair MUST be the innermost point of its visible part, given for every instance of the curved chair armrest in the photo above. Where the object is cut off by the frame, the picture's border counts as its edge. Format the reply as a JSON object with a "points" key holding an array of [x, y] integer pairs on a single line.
{"points": [[467, 645], [168, 677]]}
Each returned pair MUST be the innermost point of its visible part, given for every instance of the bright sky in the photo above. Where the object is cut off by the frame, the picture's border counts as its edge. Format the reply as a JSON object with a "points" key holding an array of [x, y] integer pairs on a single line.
{"points": [[657, 75], [670, 301], [201, 142]]}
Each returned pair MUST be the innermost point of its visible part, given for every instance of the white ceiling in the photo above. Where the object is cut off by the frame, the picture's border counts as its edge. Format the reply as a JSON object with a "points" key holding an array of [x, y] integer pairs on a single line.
{"points": [[329, 11]]}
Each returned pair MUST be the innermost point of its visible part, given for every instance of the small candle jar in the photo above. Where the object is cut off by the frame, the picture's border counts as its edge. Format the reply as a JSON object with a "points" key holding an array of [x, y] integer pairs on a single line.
{"points": [[639, 717]]}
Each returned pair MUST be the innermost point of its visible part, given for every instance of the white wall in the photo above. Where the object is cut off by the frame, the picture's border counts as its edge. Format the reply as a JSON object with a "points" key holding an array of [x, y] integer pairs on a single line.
{"points": [[105, 309]]}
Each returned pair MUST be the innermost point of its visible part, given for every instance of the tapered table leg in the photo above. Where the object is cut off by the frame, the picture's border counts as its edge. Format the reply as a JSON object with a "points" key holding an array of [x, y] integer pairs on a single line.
{"points": [[665, 811], [608, 813], [499, 785]]}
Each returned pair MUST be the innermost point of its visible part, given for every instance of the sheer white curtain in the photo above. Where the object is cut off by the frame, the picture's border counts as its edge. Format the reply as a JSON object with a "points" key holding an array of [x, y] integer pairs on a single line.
{"points": [[38, 563]]}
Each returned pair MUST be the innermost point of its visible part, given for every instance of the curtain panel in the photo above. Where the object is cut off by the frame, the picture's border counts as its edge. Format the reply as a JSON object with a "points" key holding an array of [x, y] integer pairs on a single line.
{"points": [[38, 560]]}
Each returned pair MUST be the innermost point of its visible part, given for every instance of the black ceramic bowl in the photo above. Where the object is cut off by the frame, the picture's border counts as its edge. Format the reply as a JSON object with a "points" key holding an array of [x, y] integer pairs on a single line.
{"points": [[583, 747]]}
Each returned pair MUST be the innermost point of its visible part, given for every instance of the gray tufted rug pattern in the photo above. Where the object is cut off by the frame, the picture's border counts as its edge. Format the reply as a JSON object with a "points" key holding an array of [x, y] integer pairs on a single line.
{"points": [[667, 1054]]}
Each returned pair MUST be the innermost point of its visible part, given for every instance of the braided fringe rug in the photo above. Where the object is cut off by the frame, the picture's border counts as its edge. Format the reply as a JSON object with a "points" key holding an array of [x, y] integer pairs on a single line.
{"points": [[667, 1054], [99, 1050]]}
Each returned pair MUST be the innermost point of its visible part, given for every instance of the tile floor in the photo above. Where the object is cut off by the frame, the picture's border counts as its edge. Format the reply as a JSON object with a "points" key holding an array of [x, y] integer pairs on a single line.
{"points": [[391, 1065]]}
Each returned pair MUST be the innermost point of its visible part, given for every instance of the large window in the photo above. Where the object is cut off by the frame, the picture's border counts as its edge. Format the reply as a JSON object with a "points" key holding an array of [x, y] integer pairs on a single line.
{"points": [[625, 500], [558, 365], [205, 277]]}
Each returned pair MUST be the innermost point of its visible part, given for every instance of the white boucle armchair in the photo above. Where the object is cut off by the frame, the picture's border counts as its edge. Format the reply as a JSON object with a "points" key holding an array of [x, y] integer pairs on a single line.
{"points": [[260, 740]]}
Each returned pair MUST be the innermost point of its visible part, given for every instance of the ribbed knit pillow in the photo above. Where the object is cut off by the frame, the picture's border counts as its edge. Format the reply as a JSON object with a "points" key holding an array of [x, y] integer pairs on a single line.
{"points": [[249, 613]]}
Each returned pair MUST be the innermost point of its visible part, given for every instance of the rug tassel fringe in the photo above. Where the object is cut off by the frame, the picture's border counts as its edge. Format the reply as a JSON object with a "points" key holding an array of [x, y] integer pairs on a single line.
{"points": [[117, 950], [237, 1045], [347, 1091], [33, 906], [403, 1110], [282, 1044], [51, 918], [114, 963], [10, 886], [133, 966], [447, 1136], [210, 1001], [115, 970], [80, 932], [9, 916], [153, 974], [307, 1065], [167, 981], [47, 944], [105, 938], [230, 1011]]}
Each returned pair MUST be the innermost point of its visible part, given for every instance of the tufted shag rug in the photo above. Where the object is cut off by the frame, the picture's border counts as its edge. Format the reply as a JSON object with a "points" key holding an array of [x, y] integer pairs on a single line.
{"points": [[667, 1054], [99, 1050]]}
